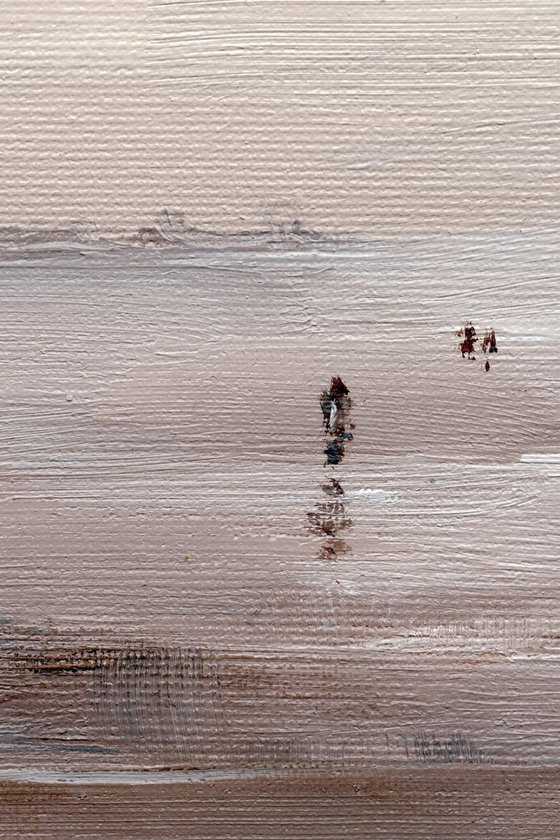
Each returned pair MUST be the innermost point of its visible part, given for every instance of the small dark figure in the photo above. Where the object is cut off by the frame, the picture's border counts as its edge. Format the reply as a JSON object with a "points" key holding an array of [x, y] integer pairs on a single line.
{"points": [[467, 345], [487, 366], [335, 405], [489, 342]]}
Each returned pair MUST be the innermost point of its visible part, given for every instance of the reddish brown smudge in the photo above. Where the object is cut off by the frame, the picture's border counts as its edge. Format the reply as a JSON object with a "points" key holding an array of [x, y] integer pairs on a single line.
{"points": [[468, 333], [333, 548], [328, 518], [467, 345], [332, 488], [489, 342]]}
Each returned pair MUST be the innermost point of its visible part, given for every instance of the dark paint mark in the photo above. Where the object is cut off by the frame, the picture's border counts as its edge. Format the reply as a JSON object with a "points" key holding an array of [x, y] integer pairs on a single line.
{"points": [[446, 749], [54, 662], [338, 389], [334, 452], [468, 333], [332, 488], [328, 518], [467, 345], [160, 698], [326, 404], [143, 698], [332, 548], [336, 405], [489, 342]]}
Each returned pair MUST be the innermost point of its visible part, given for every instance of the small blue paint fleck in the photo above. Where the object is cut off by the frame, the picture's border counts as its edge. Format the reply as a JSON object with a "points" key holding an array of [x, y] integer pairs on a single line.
{"points": [[432, 481], [325, 624]]}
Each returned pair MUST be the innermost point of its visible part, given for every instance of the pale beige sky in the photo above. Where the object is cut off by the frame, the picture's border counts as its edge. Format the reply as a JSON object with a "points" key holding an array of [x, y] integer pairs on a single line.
{"points": [[372, 117]]}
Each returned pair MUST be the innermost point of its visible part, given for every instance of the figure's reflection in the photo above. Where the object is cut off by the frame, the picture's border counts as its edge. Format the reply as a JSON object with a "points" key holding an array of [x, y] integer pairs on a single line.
{"points": [[332, 488], [328, 518]]}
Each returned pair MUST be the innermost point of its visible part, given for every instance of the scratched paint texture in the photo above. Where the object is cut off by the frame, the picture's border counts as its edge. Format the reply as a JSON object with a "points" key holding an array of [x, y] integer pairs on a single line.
{"points": [[211, 626]]}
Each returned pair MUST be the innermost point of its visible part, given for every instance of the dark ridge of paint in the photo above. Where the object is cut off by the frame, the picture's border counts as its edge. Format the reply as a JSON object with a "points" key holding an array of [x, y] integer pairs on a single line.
{"points": [[166, 227], [49, 661], [148, 692], [138, 690], [446, 748]]}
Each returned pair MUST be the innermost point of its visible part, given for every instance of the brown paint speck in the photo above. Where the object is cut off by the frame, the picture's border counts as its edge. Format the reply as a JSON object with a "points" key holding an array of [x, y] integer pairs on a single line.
{"points": [[332, 548], [468, 333], [328, 518], [469, 339], [332, 488], [489, 344]]}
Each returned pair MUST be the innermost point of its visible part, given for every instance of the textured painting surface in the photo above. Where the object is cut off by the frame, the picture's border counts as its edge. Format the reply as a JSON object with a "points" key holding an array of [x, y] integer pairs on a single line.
{"points": [[279, 420]]}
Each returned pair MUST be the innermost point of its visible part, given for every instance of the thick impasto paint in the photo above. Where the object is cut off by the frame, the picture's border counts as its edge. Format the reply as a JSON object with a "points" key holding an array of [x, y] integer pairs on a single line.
{"points": [[280, 470]]}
